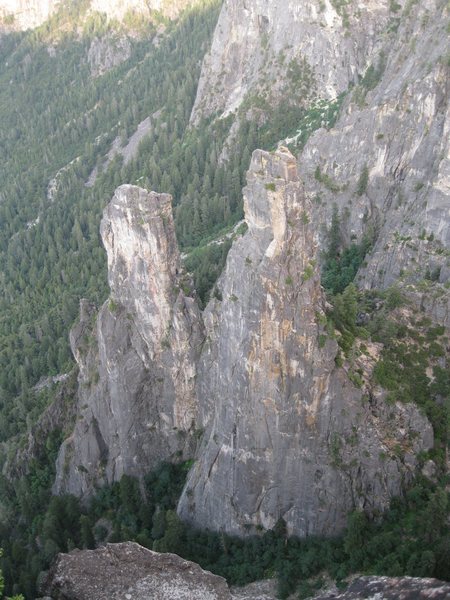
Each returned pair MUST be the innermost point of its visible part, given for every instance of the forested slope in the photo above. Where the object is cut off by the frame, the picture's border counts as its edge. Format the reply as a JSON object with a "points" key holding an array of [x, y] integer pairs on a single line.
{"points": [[57, 123]]}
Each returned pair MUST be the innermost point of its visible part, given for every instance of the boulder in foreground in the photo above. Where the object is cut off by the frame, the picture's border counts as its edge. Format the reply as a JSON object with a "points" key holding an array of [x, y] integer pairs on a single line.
{"points": [[128, 571]]}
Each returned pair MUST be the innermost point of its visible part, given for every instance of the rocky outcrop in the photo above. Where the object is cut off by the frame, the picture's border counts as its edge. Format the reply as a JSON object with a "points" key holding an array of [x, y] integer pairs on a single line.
{"points": [[107, 52], [260, 46], [127, 152], [129, 571], [386, 164], [287, 434], [138, 356], [392, 588]]}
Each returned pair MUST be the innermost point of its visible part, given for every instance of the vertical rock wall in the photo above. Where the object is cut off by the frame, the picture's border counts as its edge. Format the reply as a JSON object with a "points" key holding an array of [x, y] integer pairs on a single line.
{"points": [[287, 433], [258, 45], [137, 358], [398, 131]]}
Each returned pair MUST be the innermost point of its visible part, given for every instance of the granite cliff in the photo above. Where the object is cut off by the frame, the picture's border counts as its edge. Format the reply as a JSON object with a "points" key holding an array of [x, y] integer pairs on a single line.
{"points": [[26, 14], [137, 357], [263, 47], [286, 434], [385, 163]]}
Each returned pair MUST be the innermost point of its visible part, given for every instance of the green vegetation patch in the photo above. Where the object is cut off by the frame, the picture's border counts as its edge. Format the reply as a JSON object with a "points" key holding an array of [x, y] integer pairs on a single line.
{"points": [[341, 264], [410, 368], [206, 264]]}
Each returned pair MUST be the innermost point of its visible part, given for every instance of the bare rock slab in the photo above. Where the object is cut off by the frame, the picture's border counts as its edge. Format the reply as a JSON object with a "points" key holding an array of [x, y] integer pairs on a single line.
{"points": [[128, 571]]}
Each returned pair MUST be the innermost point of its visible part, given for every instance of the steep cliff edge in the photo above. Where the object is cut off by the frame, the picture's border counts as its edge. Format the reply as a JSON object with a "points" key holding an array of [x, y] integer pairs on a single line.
{"points": [[260, 46], [137, 358], [287, 434]]}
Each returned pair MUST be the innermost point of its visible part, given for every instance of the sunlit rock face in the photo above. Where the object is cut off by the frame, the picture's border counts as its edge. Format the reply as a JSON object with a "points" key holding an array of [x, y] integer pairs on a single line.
{"points": [[398, 133], [257, 44], [287, 434], [117, 9], [394, 125]]}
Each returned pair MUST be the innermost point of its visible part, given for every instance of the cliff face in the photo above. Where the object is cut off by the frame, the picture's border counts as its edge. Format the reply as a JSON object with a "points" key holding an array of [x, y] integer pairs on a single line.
{"points": [[385, 164], [107, 52], [259, 45], [137, 358], [287, 433], [117, 10]]}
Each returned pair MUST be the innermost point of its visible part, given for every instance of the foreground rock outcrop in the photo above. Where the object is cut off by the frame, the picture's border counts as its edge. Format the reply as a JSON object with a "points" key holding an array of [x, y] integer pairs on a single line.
{"points": [[287, 433], [137, 358], [129, 571]]}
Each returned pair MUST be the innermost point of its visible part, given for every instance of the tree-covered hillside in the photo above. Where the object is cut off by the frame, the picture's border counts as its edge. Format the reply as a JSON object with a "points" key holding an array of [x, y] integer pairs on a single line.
{"points": [[57, 123]]}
